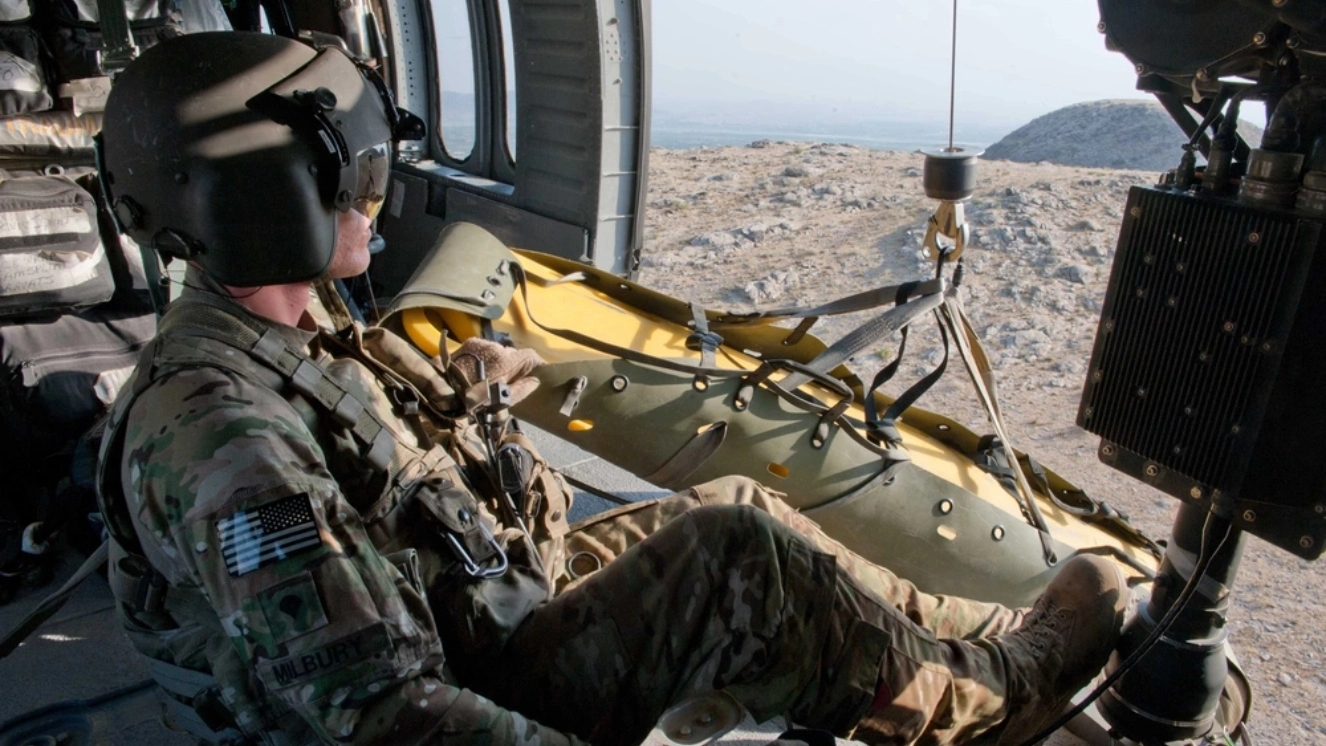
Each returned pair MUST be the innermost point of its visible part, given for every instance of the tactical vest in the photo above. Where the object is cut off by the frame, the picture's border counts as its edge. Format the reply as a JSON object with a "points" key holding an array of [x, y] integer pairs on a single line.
{"points": [[480, 579]]}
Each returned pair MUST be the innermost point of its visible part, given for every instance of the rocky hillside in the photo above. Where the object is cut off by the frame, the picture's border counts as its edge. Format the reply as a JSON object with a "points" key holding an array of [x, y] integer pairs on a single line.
{"points": [[1127, 134], [782, 224]]}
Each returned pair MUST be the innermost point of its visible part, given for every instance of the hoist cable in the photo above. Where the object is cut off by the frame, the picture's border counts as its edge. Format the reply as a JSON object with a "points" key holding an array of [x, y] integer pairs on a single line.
{"points": [[953, 76]]}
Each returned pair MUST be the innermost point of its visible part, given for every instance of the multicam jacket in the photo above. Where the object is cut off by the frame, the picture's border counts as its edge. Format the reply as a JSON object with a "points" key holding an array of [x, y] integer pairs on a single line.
{"points": [[309, 582]]}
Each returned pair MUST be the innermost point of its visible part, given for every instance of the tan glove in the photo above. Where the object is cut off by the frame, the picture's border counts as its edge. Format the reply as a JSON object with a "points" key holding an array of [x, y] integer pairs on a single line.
{"points": [[500, 365]]}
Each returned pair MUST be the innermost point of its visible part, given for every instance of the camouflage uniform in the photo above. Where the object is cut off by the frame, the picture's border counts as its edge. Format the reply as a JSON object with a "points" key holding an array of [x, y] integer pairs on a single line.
{"points": [[321, 592]]}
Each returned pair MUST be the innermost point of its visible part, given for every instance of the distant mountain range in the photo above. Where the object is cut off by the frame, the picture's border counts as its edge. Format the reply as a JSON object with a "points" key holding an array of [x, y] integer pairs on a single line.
{"points": [[1133, 133]]}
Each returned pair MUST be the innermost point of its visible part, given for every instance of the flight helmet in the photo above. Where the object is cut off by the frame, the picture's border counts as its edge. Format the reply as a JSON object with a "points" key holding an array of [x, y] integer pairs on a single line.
{"points": [[235, 150]]}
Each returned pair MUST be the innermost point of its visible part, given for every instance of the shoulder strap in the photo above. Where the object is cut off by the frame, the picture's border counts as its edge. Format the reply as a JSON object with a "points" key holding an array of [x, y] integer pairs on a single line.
{"points": [[202, 316]]}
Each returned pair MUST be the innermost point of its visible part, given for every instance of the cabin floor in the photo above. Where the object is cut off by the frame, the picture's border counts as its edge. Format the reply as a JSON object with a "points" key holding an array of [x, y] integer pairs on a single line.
{"points": [[77, 681]]}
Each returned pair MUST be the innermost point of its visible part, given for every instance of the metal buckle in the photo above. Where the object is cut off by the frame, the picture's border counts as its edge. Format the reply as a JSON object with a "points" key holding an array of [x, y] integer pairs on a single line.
{"points": [[472, 568]]}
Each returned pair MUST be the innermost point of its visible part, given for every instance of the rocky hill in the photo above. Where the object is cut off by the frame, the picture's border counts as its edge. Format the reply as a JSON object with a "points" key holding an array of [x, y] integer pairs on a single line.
{"points": [[781, 224], [1137, 135]]}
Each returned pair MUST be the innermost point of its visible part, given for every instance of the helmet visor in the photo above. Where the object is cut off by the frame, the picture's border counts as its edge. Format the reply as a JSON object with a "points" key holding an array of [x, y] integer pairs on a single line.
{"points": [[374, 168]]}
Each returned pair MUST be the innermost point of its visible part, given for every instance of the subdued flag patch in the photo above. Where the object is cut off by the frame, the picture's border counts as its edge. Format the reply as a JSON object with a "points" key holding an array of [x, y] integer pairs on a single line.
{"points": [[269, 533]]}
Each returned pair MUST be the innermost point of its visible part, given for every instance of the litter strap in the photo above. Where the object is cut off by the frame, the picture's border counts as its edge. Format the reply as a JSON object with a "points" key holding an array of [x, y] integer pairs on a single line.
{"points": [[863, 301], [684, 462], [702, 372], [869, 334]]}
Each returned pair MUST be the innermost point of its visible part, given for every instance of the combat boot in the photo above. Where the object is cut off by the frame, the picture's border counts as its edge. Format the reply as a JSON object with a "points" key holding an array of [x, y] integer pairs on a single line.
{"points": [[1062, 644], [1004, 689]]}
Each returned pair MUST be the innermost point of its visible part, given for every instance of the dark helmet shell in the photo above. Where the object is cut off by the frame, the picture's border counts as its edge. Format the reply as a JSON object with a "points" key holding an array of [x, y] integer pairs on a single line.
{"points": [[194, 169]]}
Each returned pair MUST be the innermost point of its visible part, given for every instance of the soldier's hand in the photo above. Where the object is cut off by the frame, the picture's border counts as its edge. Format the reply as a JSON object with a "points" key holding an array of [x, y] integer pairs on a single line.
{"points": [[499, 365]]}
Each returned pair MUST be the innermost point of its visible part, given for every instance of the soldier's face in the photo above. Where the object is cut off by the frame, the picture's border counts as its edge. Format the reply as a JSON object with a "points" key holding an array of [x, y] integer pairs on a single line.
{"points": [[353, 231]]}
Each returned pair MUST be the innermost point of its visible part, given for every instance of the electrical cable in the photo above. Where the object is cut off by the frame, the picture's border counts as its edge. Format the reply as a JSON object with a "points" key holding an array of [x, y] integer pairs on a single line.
{"points": [[1199, 571]]}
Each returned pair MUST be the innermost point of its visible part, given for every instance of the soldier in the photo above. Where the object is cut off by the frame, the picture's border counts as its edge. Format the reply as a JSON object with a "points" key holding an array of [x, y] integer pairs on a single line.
{"points": [[316, 542]]}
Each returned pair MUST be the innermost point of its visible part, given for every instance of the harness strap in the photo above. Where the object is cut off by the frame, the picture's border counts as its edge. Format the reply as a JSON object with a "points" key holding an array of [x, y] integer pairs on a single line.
{"points": [[204, 316], [52, 603], [887, 425], [193, 703], [703, 341], [969, 347], [334, 305], [870, 333], [863, 301]]}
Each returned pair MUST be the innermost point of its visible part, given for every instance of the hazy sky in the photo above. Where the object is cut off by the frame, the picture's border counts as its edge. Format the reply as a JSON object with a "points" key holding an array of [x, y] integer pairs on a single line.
{"points": [[1017, 59]]}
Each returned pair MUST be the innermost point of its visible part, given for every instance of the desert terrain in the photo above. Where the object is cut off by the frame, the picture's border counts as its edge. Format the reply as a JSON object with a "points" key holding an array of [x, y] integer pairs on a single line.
{"points": [[777, 224]]}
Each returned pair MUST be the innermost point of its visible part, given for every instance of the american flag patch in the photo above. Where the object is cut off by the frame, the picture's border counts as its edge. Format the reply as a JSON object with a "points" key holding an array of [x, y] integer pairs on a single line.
{"points": [[269, 533]]}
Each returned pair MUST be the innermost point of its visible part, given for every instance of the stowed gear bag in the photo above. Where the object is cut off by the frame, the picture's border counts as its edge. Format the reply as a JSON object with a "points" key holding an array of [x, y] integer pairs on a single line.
{"points": [[51, 254], [60, 375], [64, 350], [74, 33], [23, 81]]}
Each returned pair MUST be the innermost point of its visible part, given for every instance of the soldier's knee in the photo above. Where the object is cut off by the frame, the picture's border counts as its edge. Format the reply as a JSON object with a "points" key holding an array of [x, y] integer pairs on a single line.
{"points": [[739, 490], [735, 527]]}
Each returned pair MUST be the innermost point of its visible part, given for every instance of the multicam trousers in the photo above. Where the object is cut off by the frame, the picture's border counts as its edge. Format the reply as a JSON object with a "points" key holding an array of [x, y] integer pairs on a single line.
{"points": [[727, 587]]}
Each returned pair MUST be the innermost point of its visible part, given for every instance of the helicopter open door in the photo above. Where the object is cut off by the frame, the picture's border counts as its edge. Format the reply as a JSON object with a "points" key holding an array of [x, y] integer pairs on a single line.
{"points": [[543, 138]]}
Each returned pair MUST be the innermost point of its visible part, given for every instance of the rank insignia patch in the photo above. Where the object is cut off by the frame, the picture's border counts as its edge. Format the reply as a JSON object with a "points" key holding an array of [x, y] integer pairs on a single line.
{"points": [[269, 533]]}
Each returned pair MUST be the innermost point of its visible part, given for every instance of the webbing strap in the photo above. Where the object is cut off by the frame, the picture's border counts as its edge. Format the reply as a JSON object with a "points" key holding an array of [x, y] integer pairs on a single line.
{"points": [[887, 425], [870, 333], [863, 301], [703, 340], [52, 603], [203, 316], [625, 353], [118, 48], [673, 473], [333, 304], [968, 343]]}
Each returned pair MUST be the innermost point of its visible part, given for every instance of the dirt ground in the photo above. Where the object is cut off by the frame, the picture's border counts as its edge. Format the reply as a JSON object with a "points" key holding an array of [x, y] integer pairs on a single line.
{"points": [[781, 224]]}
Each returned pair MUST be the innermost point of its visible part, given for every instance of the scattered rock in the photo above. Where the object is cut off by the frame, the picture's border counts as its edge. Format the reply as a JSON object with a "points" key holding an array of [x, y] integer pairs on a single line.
{"points": [[1078, 273], [796, 172], [771, 288], [717, 240], [1072, 366], [760, 144]]}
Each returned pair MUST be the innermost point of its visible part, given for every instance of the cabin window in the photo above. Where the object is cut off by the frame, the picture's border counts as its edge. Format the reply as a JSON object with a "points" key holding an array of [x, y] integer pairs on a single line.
{"points": [[455, 65], [508, 78]]}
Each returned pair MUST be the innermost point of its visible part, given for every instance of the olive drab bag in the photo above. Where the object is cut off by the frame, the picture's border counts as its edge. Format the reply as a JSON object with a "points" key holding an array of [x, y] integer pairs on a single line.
{"points": [[24, 80]]}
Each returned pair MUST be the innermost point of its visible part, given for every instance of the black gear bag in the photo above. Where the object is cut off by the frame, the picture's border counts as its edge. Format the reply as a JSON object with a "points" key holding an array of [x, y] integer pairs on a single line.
{"points": [[74, 33], [24, 82]]}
